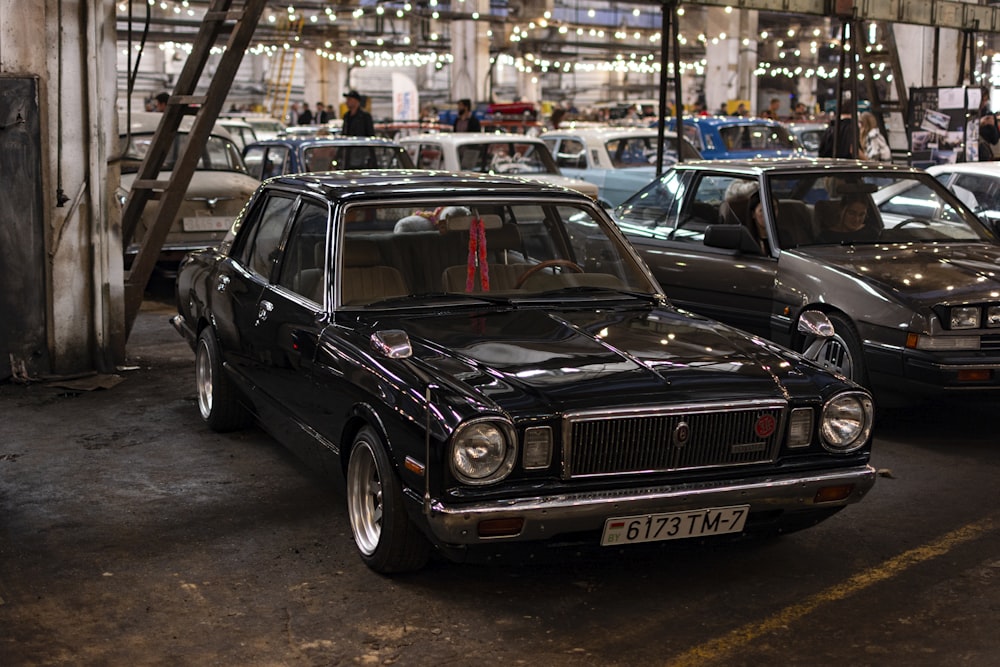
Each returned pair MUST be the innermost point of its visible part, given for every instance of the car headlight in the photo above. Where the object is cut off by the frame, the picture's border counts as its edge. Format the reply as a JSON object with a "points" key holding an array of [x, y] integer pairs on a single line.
{"points": [[847, 422], [965, 317], [483, 451]]}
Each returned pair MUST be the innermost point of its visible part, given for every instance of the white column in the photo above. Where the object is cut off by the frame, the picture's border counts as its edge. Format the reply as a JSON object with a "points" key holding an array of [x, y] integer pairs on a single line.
{"points": [[470, 46]]}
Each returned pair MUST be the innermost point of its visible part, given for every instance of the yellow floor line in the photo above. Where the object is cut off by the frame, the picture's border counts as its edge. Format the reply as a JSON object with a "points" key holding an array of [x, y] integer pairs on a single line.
{"points": [[733, 642]]}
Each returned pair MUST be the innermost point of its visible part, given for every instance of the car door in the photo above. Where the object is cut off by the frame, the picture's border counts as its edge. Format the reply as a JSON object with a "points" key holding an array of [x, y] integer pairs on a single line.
{"points": [[728, 285], [289, 314], [242, 277]]}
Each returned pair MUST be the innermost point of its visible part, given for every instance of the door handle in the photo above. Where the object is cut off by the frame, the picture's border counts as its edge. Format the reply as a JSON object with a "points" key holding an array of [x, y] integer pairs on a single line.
{"points": [[265, 307]]}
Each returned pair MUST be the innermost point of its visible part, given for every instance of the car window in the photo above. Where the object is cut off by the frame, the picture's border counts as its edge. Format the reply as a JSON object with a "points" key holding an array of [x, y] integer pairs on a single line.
{"points": [[980, 193], [263, 162], [257, 242], [507, 157], [712, 201], [304, 256], [571, 154], [911, 208], [656, 205], [220, 154], [519, 250], [426, 155]]}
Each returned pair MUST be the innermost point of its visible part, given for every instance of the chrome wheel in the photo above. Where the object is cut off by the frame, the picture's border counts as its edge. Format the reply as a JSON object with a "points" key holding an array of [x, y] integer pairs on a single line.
{"points": [[387, 539], [203, 379], [218, 398], [364, 497]]}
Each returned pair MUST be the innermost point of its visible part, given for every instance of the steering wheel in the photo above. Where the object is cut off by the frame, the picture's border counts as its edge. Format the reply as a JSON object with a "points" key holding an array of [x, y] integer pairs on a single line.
{"points": [[521, 279]]}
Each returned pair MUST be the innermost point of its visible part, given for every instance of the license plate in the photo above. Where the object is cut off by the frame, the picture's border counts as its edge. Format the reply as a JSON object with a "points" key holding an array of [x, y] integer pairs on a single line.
{"points": [[207, 223], [674, 525]]}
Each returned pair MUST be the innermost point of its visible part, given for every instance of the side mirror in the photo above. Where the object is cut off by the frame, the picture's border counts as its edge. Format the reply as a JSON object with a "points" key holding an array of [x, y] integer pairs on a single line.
{"points": [[731, 237], [815, 323], [816, 327]]}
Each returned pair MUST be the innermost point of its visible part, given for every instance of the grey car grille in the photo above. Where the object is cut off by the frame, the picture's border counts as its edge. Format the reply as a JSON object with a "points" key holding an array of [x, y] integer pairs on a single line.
{"points": [[665, 440]]}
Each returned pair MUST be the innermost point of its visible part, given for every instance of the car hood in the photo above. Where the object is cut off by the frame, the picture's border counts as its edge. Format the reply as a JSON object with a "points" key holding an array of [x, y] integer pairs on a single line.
{"points": [[577, 184], [208, 184], [925, 274], [531, 359]]}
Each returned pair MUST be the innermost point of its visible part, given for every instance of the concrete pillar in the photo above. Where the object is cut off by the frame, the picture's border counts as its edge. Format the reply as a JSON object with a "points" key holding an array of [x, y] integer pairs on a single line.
{"points": [[729, 62], [73, 55], [470, 46], [324, 80], [917, 53]]}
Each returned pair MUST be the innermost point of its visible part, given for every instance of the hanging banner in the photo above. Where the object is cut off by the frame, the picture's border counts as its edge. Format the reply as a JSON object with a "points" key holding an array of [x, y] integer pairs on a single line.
{"points": [[405, 99]]}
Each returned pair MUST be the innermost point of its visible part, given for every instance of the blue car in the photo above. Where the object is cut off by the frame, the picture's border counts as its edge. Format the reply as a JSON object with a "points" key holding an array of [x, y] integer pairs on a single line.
{"points": [[293, 155], [738, 137]]}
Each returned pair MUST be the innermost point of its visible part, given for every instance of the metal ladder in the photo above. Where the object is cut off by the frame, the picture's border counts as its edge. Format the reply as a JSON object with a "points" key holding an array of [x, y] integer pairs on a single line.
{"points": [[279, 86], [220, 20]]}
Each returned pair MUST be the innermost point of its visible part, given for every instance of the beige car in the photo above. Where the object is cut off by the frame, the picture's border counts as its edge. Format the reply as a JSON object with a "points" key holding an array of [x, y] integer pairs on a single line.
{"points": [[508, 154], [218, 190]]}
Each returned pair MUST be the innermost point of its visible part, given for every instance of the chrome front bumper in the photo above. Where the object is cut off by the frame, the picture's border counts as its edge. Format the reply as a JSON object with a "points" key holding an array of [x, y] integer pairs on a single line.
{"points": [[547, 517]]}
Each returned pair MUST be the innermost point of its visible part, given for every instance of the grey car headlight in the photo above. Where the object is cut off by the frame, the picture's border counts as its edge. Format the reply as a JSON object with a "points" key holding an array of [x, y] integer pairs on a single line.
{"points": [[965, 317], [483, 451], [846, 422]]}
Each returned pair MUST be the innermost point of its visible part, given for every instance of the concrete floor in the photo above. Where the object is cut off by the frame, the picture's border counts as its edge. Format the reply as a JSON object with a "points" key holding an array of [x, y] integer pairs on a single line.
{"points": [[130, 534]]}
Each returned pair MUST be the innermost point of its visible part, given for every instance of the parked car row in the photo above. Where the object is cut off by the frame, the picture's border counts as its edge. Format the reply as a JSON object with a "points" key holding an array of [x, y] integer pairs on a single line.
{"points": [[484, 352]]}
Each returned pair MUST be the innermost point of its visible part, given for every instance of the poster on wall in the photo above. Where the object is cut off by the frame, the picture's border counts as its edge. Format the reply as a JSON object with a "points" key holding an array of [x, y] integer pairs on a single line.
{"points": [[945, 124]]}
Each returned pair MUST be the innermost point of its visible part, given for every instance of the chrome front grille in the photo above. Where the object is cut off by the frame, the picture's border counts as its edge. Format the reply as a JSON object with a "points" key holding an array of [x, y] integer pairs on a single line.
{"points": [[990, 343], [664, 440]]}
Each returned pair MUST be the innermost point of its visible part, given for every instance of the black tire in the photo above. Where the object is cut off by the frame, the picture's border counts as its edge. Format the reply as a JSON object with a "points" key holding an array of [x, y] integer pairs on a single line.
{"points": [[842, 353], [218, 400], [385, 537]]}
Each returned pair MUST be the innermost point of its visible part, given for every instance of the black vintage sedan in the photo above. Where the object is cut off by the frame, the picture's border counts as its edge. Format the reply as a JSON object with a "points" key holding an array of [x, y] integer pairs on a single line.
{"points": [[907, 274], [485, 360]]}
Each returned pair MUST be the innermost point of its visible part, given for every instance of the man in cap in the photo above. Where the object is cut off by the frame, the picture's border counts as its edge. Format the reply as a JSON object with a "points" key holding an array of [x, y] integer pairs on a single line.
{"points": [[357, 121]]}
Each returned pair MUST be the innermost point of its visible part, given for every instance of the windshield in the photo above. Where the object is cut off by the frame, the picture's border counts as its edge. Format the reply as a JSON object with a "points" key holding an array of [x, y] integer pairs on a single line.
{"points": [[756, 137], [506, 157], [868, 207], [220, 154], [629, 152], [480, 250], [329, 158]]}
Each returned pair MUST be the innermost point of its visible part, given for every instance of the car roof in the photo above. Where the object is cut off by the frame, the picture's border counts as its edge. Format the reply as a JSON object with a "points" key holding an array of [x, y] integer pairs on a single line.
{"points": [[608, 132], [985, 167], [782, 165], [417, 182], [331, 140], [719, 121], [472, 138], [146, 122]]}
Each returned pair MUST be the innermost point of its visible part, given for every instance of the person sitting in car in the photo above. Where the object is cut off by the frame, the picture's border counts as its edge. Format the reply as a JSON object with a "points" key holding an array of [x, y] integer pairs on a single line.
{"points": [[845, 221]]}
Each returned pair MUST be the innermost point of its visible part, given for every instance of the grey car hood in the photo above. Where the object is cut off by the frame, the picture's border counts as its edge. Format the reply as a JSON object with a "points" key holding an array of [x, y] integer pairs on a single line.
{"points": [[923, 274]]}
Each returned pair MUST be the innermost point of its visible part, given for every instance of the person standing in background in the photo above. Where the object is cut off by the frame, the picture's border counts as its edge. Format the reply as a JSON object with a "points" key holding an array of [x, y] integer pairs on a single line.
{"points": [[357, 121], [322, 115], [306, 116], [466, 121], [989, 137], [874, 147]]}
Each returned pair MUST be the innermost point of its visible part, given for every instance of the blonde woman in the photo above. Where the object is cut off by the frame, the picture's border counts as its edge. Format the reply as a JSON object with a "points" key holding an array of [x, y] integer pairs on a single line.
{"points": [[873, 144]]}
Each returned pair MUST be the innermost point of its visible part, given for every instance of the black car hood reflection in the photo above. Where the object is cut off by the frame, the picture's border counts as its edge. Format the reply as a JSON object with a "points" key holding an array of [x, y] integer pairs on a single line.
{"points": [[925, 273], [577, 359]]}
